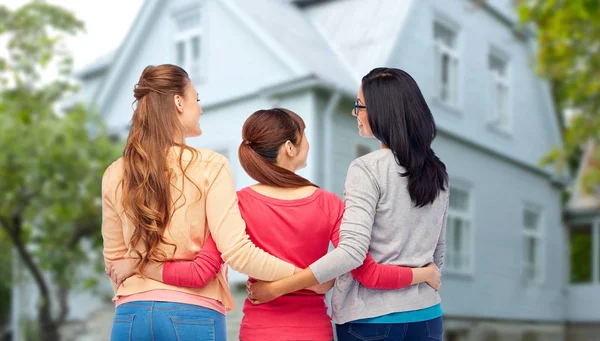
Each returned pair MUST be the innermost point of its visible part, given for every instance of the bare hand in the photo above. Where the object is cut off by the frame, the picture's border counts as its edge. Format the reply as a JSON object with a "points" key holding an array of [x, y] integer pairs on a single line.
{"points": [[260, 292], [435, 278], [120, 270]]}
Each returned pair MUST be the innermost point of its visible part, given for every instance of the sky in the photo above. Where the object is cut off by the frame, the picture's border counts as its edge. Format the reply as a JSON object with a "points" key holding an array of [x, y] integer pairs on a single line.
{"points": [[107, 23]]}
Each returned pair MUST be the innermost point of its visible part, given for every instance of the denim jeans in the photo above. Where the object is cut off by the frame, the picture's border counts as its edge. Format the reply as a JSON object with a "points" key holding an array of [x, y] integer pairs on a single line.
{"points": [[167, 321], [432, 330]]}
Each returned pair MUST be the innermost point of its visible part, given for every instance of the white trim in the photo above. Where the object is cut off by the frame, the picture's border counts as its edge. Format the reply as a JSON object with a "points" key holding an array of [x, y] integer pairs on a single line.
{"points": [[454, 69], [468, 217], [539, 235], [505, 81]]}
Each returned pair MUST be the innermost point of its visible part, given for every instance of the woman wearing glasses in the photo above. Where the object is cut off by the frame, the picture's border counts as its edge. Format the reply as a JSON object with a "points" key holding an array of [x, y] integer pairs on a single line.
{"points": [[396, 208]]}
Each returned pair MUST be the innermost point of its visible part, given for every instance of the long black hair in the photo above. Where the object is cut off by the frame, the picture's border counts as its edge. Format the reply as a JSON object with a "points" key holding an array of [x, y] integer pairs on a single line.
{"points": [[400, 119]]}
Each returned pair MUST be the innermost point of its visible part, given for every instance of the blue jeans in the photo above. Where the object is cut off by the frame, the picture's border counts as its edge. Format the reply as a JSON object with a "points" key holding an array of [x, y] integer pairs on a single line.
{"points": [[167, 321], [432, 330]]}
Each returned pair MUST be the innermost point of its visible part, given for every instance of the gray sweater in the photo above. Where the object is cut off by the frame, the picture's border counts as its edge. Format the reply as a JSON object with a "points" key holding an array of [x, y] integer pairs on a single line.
{"points": [[381, 218]]}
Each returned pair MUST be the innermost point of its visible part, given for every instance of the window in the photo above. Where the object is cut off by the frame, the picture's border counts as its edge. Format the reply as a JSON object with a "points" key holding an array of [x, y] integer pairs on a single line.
{"points": [[446, 63], [188, 42], [532, 245], [361, 150], [580, 250], [500, 105], [458, 232]]}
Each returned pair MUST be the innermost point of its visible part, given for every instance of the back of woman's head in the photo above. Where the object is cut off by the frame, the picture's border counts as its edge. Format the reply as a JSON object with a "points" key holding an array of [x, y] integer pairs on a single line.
{"points": [[400, 118], [263, 134], [155, 128]]}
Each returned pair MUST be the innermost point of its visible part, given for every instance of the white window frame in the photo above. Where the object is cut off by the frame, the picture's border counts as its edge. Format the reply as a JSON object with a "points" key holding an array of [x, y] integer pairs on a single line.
{"points": [[467, 238], [193, 67], [441, 49], [539, 235], [500, 120]]}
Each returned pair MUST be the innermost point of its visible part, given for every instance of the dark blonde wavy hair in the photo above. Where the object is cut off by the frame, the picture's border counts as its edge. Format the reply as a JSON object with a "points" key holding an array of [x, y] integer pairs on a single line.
{"points": [[155, 128]]}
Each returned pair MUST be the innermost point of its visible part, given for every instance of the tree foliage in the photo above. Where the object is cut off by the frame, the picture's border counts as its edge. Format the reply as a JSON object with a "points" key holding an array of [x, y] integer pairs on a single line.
{"points": [[52, 160], [568, 37]]}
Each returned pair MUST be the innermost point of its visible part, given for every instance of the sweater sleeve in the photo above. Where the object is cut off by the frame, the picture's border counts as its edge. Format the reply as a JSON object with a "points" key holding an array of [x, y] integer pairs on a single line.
{"points": [[229, 232], [114, 246], [370, 274], [194, 273], [361, 196], [438, 254]]}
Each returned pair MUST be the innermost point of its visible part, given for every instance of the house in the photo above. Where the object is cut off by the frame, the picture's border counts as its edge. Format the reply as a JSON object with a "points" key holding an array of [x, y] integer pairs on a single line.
{"points": [[507, 252], [582, 215]]}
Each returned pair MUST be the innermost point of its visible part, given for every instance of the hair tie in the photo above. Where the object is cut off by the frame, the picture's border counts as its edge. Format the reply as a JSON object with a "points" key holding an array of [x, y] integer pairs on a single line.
{"points": [[246, 142]]}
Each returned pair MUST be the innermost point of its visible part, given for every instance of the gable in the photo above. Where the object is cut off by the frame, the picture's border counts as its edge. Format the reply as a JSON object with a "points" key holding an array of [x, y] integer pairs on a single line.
{"points": [[234, 60], [362, 32], [295, 33], [582, 200], [242, 48]]}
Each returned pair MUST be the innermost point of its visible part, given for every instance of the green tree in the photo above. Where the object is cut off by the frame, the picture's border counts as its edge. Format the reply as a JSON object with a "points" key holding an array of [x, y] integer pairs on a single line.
{"points": [[52, 159], [5, 284], [568, 34]]}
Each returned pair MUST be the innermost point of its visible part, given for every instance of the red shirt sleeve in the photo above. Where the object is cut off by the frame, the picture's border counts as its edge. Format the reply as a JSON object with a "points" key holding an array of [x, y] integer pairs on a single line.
{"points": [[194, 273], [370, 274]]}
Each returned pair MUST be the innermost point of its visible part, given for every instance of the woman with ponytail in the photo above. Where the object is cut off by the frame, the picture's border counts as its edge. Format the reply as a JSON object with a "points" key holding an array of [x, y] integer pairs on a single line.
{"points": [[293, 219], [163, 200], [396, 208]]}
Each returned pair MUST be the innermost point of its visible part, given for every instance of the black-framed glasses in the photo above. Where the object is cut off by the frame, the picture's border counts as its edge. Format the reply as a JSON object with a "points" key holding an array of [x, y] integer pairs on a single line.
{"points": [[357, 107]]}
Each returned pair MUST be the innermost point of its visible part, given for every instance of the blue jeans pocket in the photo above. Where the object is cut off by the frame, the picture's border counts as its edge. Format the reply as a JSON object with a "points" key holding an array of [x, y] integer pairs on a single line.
{"points": [[370, 331], [194, 328], [435, 329], [121, 329]]}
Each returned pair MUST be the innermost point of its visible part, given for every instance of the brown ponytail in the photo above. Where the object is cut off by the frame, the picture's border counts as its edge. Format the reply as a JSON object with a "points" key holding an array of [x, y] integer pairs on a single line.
{"points": [[264, 132], [146, 183]]}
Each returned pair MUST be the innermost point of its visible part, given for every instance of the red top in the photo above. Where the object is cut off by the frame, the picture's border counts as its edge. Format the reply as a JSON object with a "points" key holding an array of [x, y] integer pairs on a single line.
{"points": [[299, 232]]}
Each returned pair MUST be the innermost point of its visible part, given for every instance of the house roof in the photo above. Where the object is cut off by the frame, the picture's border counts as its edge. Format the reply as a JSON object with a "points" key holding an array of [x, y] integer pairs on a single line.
{"points": [[293, 31], [98, 65], [323, 38], [301, 46], [582, 199], [126, 51], [364, 33]]}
